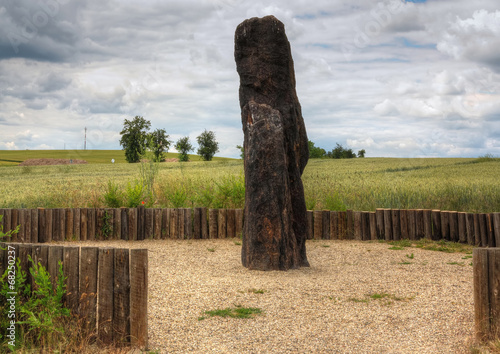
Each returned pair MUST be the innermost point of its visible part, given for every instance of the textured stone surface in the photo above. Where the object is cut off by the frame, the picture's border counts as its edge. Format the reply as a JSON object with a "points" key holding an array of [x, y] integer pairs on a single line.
{"points": [[276, 149]]}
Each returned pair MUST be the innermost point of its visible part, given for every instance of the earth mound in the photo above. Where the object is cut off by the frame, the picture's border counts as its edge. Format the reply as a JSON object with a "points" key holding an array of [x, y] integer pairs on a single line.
{"points": [[49, 161]]}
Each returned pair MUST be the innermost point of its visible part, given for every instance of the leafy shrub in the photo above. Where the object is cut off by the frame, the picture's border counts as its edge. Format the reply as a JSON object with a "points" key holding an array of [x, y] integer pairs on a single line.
{"points": [[42, 317], [134, 194], [113, 198]]}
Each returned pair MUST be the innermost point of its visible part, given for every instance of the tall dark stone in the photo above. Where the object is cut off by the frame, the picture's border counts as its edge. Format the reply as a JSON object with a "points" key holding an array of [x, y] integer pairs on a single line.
{"points": [[276, 149]]}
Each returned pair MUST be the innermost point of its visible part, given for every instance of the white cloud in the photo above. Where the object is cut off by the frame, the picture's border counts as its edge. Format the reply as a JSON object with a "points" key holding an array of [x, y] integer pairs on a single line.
{"points": [[427, 79], [476, 38]]}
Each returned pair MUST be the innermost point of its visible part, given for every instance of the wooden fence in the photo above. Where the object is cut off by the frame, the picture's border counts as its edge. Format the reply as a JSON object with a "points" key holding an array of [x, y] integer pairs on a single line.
{"points": [[106, 287], [45, 225]]}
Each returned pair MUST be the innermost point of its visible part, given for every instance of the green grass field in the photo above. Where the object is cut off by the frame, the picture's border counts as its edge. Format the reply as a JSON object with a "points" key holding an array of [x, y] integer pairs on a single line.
{"points": [[15, 157], [470, 185]]}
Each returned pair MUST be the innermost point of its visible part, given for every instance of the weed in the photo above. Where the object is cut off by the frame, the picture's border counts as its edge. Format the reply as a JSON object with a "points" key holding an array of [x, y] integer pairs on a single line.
{"points": [[113, 198], [256, 291], [396, 248], [237, 312], [211, 249], [107, 226], [456, 263], [443, 246], [134, 194], [377, 296], [237, 243], [42, 320], [404, 262], [353, 299], [410, 256], [326, 246]]}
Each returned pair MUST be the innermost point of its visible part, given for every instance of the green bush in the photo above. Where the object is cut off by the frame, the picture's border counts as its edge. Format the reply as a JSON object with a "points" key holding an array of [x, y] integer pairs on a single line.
{"points": [[113, 197], [41, 316]]}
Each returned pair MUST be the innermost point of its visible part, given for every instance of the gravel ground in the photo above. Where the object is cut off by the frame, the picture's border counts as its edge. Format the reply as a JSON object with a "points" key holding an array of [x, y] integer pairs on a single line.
{"points": [[426, 306]]}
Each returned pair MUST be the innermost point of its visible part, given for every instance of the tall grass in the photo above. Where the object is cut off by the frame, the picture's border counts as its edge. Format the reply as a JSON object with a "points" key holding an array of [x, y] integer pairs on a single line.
{"points": [[360, 184]]}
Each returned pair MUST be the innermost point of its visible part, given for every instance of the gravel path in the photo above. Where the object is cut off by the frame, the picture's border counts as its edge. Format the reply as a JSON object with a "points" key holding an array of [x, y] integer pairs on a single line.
{"points": [[424, 307]]}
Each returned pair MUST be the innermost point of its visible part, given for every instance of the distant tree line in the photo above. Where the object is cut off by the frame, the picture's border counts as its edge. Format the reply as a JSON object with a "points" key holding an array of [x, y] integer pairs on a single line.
{"points": [[339, 152], [136, 139]]}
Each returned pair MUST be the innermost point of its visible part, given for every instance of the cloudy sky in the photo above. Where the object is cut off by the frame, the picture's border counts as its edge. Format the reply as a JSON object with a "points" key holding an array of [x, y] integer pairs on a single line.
{"points": [[398, 79]]}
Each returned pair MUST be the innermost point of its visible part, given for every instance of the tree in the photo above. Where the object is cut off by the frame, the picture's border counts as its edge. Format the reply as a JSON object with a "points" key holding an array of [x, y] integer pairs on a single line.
{"points": [[133, 138], [242, 151], [361, 153], [341, 153], [315, 152], [208, 146], [183, 146], [159, 144]]}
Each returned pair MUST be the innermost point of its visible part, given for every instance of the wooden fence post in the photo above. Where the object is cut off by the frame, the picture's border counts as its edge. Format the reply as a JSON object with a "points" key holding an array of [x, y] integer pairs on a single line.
{"points": [[231, 223], [157, 223], [139, 298], [318, 224], [141, 222], [462, 230], [197, 223], [212, 222], [188, 223], [181, 234], [132, 225], [482, 230], [326, 224], [427, 223], [412, 224], [83, 224], [490, 230], [403, 219], [379, 214], [373, 225], [453, 226], [55, 255], [222, 223], [18, 220], [88, 287], [334, 225], [68, 236], [34, 225], [238, 222], [419, 224], [396, 224], [496, 227], [117, 223], [99, 224], [124, 226], [469, 225], [165, 223], [71, 270], [388, 225], [349, 224], [14, 221], [148, 224], [105, 297], [365, 226], [445, 225], [121, 298], [357, 225], [173, 223], [436, 224], [477, 231], [91, 227], [486, 292]]}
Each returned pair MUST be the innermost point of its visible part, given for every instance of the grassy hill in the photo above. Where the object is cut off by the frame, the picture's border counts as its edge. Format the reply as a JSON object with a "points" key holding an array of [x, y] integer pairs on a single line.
{"points": [[15, 157]]}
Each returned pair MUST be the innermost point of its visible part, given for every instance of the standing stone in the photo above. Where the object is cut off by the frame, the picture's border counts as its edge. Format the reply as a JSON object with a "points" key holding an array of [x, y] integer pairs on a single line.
{"points": [[276, 149]]}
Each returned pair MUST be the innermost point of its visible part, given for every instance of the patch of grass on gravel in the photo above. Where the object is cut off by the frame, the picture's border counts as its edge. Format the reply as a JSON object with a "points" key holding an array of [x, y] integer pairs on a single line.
{"points": [[236, 312]]}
